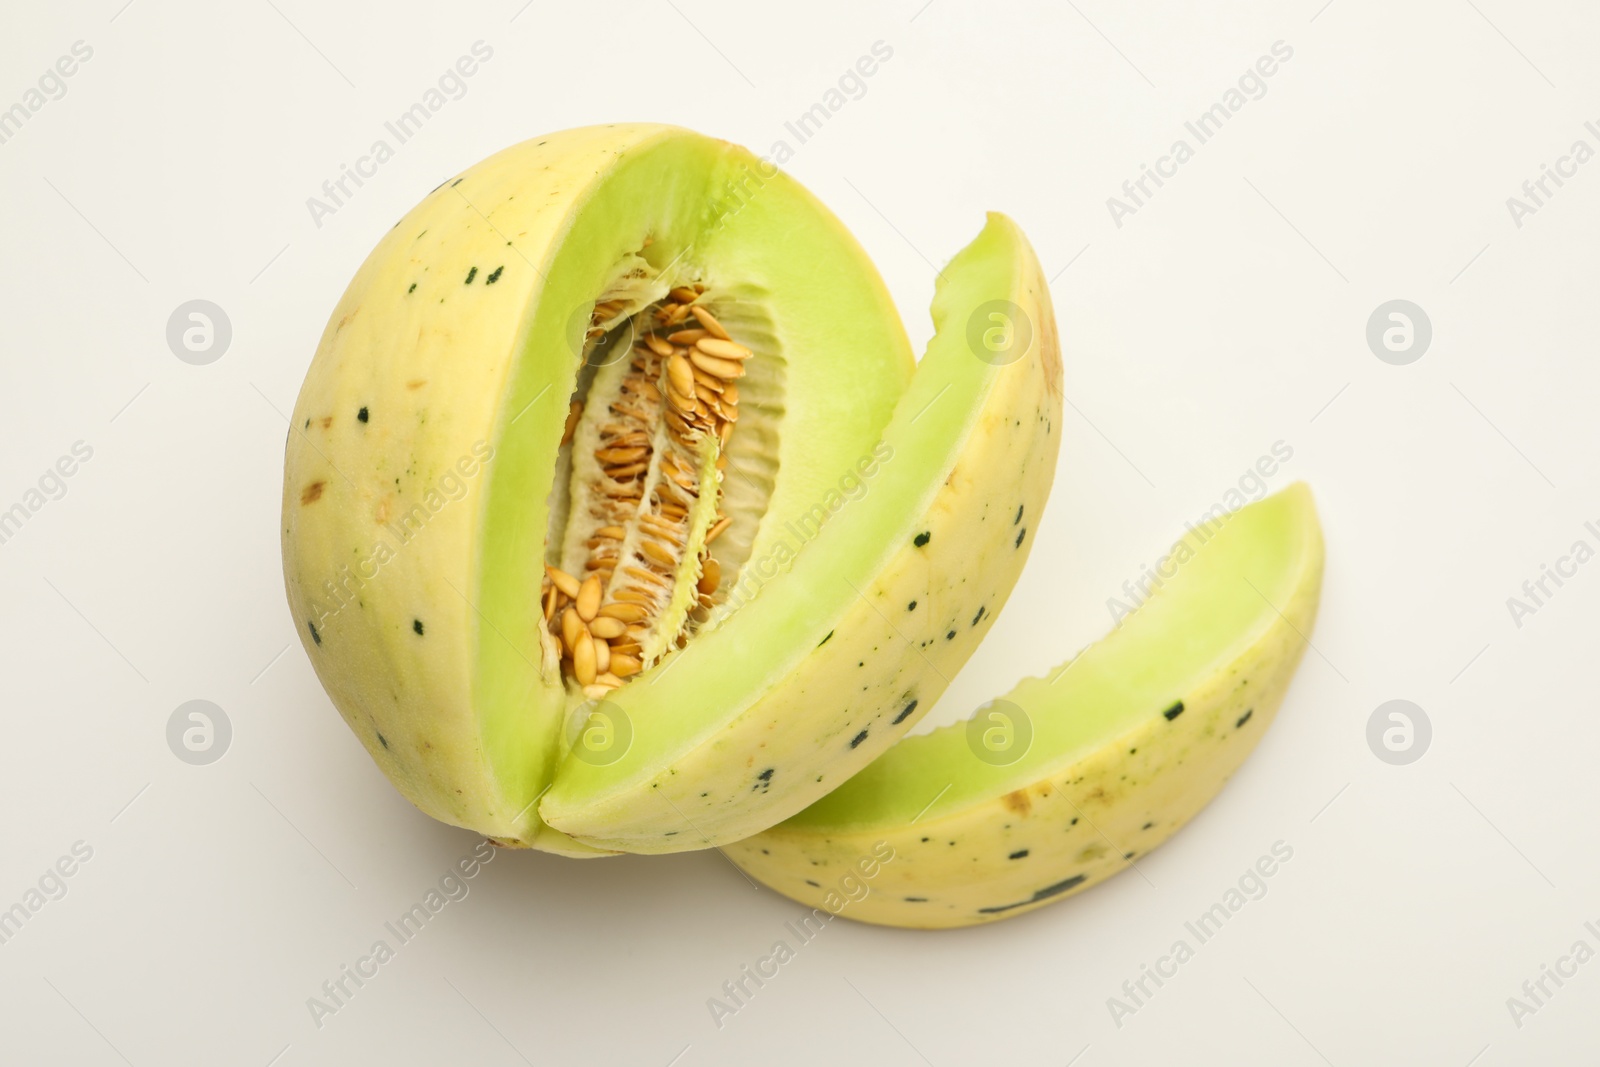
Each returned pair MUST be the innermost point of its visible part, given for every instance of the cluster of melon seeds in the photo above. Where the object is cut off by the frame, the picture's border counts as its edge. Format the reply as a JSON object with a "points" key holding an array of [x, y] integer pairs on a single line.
{"points": [[648, 444]]}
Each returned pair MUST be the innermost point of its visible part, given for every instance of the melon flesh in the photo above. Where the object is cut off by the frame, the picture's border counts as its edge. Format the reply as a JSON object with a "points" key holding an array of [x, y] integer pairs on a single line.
{"points": [[421, 467]]}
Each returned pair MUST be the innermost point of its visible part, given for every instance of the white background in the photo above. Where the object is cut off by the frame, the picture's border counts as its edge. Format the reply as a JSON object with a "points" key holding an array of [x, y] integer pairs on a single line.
{"points": [[1227, 314]]}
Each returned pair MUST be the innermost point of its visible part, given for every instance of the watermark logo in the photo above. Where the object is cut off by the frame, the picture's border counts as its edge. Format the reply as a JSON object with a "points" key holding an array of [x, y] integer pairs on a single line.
{"points": [[999, 332], [199, 332], [1399, 332], [1399, 732], [595, 346], [199, 732], [999, 733], [605, 736]]}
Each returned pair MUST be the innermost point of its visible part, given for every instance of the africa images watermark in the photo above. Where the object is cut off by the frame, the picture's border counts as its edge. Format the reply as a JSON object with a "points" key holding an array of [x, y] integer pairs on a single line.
{"points": [[851, 888], [50, 886], [1252, 85], [802, 529], [51, 85], [51, 486], [450, 86], [1251, 885], [1251, 486], [1538, 191], [344, 587], [738, 191], [451, 888], [1537, 592], [1537, 991]]}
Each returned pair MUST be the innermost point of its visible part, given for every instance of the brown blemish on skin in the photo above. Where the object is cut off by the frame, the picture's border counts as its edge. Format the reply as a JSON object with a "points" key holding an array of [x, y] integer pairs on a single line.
{"points": [[381, 514], [1050, 351], [346, 319], [417, 383], [325, 422], [312, 493], [1019, 801]]}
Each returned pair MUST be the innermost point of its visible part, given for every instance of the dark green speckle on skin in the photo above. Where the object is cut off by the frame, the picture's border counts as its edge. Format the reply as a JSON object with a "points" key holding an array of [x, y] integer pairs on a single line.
{"points": [[1019, 514], [911, 606], [1019, 854], [951, 636], [982, 610], [384, 741], [494, 277], [313, 628], [471, 274], [825, 639], [412, 289], [1244, 718], [416, 626], [361, 416], [1173, 712], [922, 538], [858, 738], [904, 712], [1039, 894], [1020, 535]]}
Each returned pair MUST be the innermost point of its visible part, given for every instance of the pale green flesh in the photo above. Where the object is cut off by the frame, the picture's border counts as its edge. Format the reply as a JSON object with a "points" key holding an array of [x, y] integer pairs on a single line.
{"points": [[833, 320], [1218, 603], [701, 689]]}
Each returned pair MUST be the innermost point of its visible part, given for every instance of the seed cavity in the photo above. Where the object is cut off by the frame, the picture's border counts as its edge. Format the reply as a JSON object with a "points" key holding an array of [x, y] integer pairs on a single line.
{"points": [[631, 571]]}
